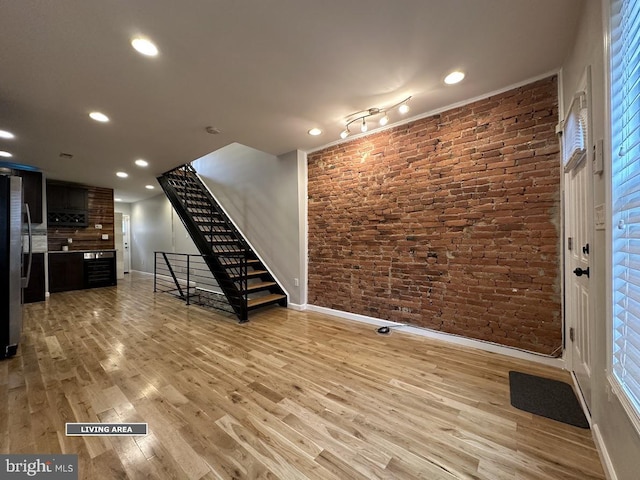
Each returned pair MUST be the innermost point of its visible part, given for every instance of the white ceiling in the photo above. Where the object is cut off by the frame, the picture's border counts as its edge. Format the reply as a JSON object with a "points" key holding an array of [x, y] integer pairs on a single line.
{"points": [[262, 71]]}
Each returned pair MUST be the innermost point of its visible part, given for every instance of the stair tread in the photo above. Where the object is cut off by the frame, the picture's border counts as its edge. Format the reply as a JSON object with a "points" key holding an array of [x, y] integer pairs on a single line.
{"points": [[231, 263], [223, 242], [253, 273], [274, 297], [260, 285]]}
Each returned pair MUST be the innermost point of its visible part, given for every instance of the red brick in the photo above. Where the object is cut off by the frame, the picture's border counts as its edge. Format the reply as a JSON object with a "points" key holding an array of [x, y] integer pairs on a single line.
{"points": [[448, 222]]}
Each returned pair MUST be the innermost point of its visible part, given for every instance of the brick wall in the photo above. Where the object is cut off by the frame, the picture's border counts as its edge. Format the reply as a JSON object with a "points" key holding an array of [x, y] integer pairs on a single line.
{"points": [[450, 222]]}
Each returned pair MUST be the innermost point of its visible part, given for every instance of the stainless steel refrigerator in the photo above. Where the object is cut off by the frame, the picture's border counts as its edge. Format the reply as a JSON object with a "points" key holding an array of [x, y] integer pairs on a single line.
{"points": [[13, 274]]}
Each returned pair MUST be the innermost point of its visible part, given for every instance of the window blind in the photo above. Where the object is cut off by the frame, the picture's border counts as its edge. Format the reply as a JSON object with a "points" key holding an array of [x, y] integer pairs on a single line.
{"points": [[625, 133]]}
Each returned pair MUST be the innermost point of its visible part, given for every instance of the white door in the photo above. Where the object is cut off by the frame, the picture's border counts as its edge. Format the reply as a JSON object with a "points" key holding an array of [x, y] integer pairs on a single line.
{"points": [[126, 237], [119, 243], [579, 321]]}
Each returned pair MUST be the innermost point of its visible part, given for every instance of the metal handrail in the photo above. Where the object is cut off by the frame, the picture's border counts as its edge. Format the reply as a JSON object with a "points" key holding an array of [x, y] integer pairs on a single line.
{"points": [[186, 276]]}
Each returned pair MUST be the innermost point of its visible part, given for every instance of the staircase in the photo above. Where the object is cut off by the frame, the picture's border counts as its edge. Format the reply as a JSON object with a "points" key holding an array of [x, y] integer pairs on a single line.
{"points": [[240, 274]]}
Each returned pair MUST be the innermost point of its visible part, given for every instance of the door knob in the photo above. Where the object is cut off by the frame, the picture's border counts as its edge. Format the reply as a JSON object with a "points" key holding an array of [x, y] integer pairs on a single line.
{"points": [[579, 272]]}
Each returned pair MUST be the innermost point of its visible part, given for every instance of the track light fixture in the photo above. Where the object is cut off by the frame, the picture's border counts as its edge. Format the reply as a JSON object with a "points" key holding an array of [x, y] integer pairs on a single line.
{"points": [[362, 116]]}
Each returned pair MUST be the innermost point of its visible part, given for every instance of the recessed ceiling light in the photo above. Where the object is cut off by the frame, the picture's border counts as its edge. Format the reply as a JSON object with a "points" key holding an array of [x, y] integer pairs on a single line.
{"points": [[454, 77], [5, 154], [5, 134], [117, 199], [149, 187], [99, 117], [122, 174], [315, 132], [141, 163], [144, 46]]}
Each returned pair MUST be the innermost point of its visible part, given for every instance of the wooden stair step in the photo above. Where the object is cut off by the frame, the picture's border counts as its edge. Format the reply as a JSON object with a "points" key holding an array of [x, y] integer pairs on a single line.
{"points": [[178, 186], [265, 300], [221, 242], [254, 287], [251, 274], [233, 263], [228, 252], [209, 222]]}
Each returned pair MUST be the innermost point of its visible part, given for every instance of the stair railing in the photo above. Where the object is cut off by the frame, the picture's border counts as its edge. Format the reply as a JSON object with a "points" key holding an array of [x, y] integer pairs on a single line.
{"points": [[187, 277]]}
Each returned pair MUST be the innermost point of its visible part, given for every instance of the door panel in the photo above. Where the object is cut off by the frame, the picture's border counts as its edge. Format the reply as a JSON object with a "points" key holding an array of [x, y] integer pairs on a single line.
{"points": [[579, 319]]}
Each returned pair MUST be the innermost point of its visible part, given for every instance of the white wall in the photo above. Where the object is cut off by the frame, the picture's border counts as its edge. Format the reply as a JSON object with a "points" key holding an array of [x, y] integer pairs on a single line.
{"points": [[122, 207], [156, 227], [260, 192], [616, 432]]}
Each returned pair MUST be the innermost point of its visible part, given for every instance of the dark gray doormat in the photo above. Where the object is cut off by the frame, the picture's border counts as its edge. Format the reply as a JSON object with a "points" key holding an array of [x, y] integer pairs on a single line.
{"points": [[546, 397]]}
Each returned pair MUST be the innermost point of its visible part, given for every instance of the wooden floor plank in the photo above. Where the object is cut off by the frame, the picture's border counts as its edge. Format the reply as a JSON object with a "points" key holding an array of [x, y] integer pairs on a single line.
{"points": [[288, 395]]}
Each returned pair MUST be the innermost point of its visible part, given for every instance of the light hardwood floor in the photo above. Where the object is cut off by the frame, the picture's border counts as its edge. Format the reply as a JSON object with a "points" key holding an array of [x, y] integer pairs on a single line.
{"points": [[289, 395]]}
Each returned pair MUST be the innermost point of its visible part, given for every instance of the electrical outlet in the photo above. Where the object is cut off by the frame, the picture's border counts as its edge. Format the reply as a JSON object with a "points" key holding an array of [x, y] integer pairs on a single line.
{"points": [[105, 236], [296, 282]]}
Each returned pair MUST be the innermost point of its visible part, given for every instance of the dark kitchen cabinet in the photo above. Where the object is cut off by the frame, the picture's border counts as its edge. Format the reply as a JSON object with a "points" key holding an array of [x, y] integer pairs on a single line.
{"points": [[32, 193], [67, 205], [35, 291], [66, 271]]}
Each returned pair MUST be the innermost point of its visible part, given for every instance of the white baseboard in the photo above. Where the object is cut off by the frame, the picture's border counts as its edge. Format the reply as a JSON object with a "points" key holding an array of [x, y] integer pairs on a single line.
{"points": [[446, 337], [609, 471], [580, 397], [296, 306]]}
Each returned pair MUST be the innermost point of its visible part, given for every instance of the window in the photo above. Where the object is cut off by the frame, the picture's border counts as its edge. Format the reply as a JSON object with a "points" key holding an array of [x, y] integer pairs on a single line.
{"points": [[574, 136], [625, 197]]}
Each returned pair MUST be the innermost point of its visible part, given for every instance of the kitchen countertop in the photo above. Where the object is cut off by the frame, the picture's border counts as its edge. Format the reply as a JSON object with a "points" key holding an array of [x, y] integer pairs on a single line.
{"points": [[82, 251]]}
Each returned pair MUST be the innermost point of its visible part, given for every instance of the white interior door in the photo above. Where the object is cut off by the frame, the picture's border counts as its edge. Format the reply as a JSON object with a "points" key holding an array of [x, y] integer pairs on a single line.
{"points": [[579, 321], [119, 243], [126, 238]]}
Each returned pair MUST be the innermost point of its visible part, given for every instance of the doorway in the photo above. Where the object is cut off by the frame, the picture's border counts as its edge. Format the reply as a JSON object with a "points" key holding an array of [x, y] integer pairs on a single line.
{"points": [[579, 328], [126, 242], [578, 201]]}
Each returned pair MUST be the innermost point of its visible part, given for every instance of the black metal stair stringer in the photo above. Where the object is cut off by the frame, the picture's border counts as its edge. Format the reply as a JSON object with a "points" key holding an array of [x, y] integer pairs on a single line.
{"points": [[225, 251]]}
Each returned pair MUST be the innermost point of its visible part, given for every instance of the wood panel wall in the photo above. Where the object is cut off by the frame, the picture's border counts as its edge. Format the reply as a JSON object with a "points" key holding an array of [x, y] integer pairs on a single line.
{"points": [[90, 238]]}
